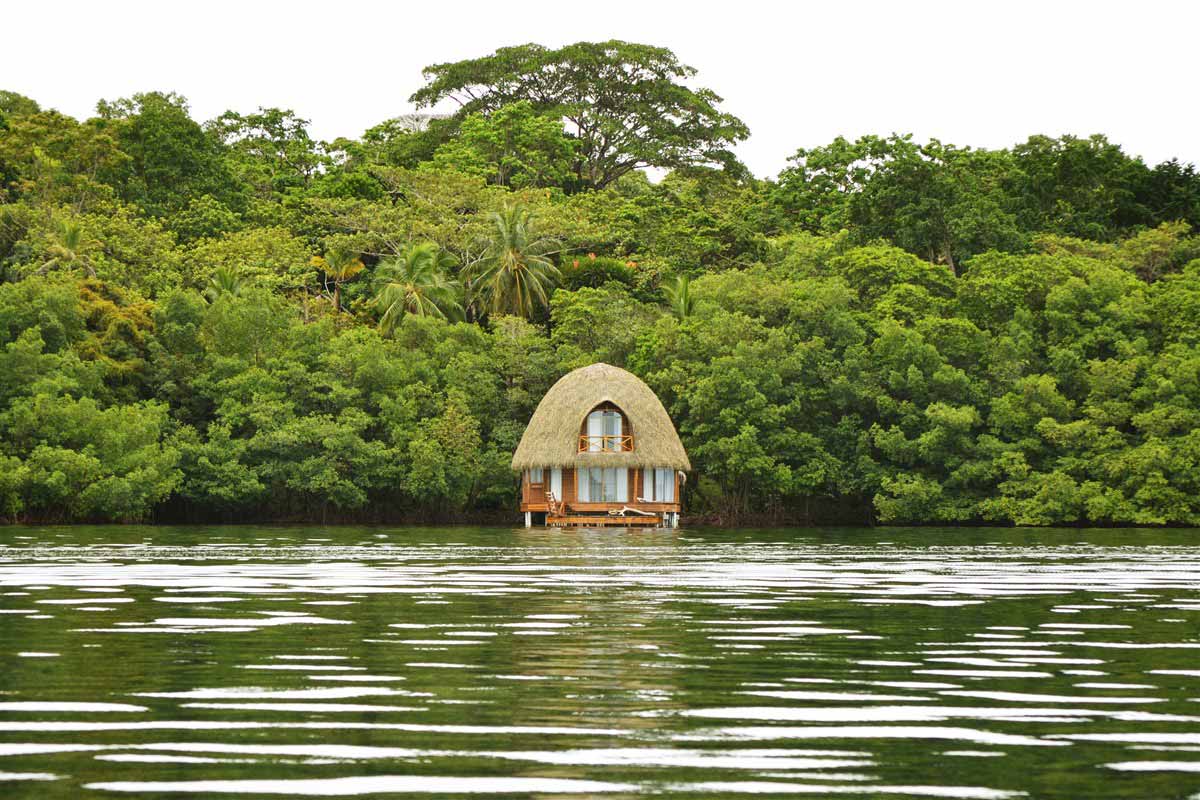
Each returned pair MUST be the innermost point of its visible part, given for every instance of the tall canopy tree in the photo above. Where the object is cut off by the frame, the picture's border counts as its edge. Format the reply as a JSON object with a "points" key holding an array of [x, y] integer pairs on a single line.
{"points": [[624, 103], [171, 158], [16, 105], [514, 146], [50, 158], [1079, 187], [271, 149], [938, 201]]}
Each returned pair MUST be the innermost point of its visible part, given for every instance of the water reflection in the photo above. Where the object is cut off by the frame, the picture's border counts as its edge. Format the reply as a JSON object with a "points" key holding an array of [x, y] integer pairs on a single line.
{"points": [[992, 664]]}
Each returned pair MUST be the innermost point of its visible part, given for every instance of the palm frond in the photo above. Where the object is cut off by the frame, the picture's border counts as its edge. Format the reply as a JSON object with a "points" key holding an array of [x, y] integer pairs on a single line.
{"points": [[679, 297], [514, 274], [414, 281]]}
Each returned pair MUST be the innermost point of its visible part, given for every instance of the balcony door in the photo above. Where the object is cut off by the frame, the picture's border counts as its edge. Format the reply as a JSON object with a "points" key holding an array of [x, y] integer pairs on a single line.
{"points": [[605, 431]]}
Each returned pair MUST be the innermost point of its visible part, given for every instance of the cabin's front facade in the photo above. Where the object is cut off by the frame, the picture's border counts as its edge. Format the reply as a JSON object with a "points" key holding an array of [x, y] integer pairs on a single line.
{"points": [[601, 450]]}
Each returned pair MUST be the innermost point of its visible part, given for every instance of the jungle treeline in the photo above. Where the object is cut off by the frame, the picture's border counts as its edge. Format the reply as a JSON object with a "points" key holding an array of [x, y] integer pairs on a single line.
{"points": [[230, 320]]}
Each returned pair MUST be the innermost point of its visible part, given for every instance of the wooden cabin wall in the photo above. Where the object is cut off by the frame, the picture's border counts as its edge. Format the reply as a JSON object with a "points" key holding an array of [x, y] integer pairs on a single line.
{"points": [[568, 485], [535, 494]]}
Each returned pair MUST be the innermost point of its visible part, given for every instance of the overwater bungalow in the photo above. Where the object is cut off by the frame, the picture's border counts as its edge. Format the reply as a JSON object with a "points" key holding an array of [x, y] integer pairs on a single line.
{"points": [[601, 450]]}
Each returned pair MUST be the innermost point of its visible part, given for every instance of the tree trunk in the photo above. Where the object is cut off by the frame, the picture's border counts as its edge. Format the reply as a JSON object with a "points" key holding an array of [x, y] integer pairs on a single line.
{"points": [[949, 258]]}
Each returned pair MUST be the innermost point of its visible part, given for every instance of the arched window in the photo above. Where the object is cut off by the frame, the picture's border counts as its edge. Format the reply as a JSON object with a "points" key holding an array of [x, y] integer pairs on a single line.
{"points": [[605, 430]]}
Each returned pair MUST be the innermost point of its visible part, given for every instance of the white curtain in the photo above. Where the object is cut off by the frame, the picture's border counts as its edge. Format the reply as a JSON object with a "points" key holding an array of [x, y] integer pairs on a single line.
{"points": [[601, 485], [595, 430], [612, 429], [664, 485], [556, 483]]}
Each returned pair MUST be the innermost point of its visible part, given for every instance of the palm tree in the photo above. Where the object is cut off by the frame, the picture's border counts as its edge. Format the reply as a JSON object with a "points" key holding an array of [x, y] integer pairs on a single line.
{"points": [[69, 248], [224, 281], [414, 282], [515, 274], [339, 266], [679, 297]]}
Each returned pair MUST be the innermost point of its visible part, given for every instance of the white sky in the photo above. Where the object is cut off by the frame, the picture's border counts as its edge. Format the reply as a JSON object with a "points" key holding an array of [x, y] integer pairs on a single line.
{"points": [[986, 74]]}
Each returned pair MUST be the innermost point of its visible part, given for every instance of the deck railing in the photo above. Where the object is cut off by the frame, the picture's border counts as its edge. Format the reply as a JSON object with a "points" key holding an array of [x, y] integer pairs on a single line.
{"points": [[615, 443]]}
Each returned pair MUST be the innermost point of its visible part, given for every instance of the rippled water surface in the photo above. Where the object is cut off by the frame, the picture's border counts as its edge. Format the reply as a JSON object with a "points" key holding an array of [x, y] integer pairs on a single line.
{"points": [[164, 662]]}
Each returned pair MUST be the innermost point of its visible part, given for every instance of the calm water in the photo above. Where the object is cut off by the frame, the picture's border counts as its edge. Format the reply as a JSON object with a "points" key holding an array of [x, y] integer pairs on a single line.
{"points": [[353, 661]]}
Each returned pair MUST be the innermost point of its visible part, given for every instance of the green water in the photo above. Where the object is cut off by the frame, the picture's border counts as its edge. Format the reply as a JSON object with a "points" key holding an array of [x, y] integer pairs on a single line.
{"points": [[170, 662]]}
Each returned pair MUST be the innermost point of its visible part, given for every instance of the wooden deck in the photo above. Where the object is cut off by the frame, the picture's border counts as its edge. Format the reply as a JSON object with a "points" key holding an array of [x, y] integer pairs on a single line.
{"points": [[605, 521]]}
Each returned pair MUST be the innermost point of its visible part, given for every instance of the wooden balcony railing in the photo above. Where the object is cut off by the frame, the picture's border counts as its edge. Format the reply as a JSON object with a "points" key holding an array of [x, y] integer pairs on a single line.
{"points": [[606, 444]]}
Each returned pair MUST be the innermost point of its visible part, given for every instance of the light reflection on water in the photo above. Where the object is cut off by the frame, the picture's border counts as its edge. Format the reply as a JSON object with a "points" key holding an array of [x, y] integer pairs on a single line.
{"points": [[340, 662]]}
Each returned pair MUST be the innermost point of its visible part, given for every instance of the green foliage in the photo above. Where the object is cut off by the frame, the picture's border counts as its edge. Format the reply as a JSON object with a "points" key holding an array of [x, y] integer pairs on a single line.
{"points": [[513, 146], [119, 247], [338, 266], [595, 271], [224, 281], [679, 297], [49, 158], [592, 325], [236, 321], [270, 257], [414, 282], [946, 204], [81, 461], [270, 151], [170, 158], [626, 103], [515, 274], [1078, 187], [406, 141], [444, 457], [940, 202], [16, 105], [204, 217], [876, 272]]}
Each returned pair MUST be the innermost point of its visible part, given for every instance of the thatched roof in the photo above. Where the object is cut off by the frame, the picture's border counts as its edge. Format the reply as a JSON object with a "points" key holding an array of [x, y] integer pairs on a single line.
{"points": [[552, 437]]}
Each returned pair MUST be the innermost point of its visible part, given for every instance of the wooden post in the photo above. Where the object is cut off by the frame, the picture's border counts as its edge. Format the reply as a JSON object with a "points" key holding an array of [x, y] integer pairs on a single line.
{"points": [[528, 519]]}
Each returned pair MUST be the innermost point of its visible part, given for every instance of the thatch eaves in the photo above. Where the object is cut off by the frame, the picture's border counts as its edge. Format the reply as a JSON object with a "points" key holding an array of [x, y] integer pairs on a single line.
{"points": [[552, 437]]}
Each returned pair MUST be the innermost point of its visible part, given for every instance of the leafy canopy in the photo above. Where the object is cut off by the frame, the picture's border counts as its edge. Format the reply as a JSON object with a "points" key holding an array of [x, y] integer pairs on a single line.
{"points": [[625, 104]]}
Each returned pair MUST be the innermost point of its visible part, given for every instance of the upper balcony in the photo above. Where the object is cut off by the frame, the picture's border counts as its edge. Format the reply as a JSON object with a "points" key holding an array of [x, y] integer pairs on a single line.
{"points": [[605, 430], [610, 443]]}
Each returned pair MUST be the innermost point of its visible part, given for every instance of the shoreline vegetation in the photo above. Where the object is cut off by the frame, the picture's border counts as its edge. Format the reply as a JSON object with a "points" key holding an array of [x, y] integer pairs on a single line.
{"points": [[231, 321]]}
